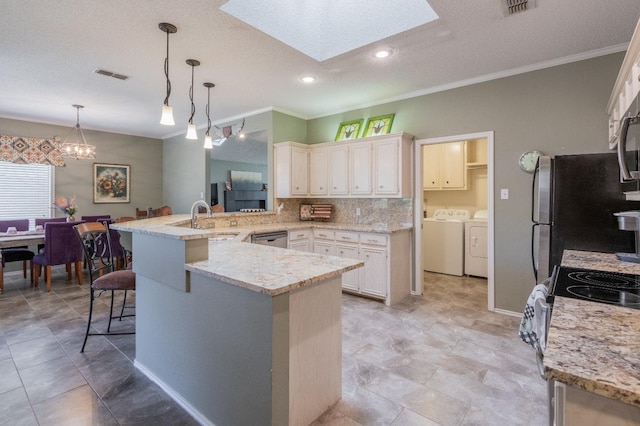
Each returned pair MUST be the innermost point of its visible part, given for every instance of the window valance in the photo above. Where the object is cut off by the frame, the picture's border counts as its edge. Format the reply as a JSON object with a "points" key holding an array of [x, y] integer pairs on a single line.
{"points": [[18, 149]]}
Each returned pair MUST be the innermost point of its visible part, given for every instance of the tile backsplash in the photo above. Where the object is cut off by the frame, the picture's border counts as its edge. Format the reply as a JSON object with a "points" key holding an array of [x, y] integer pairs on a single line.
{"points": [[390, 211]]}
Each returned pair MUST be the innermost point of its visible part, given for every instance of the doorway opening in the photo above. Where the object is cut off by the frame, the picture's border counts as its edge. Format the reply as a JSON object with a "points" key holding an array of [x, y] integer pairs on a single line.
{"points": [[447, 166]]}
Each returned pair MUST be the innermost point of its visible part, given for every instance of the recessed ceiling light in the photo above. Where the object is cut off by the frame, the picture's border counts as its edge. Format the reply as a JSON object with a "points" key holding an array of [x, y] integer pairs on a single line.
{"points": [[383, 53], [308, 79]]}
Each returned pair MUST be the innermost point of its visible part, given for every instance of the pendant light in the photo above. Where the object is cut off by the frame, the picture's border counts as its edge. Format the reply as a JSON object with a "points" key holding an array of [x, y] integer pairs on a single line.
{"points": [[208, 143], [191, 128], [167, 111], [80, 149]]}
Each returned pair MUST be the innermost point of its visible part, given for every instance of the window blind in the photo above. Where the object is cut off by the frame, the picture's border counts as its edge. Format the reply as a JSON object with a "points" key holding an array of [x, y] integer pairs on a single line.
{"points": [[26, 191]]}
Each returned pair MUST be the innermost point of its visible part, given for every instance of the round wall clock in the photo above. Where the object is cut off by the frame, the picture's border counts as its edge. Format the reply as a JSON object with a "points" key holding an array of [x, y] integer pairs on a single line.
{"points": [[528, 160]]}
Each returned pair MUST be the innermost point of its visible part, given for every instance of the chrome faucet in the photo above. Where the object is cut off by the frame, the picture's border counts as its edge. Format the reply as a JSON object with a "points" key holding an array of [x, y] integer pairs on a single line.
{"points": [[194, 212]]}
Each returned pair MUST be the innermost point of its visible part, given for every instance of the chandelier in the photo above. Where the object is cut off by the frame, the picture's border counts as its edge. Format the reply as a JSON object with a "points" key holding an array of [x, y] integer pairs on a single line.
{"points": [[224, 133], [77, 147]]}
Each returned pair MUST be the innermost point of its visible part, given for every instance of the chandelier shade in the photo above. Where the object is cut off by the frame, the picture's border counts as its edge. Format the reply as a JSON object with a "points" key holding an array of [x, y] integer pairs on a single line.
{"points": [[75, 145]]}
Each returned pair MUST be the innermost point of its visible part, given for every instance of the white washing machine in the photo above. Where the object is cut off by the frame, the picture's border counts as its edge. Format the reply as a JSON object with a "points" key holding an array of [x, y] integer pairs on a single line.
{"points": [[476, 250], [443, 241]]}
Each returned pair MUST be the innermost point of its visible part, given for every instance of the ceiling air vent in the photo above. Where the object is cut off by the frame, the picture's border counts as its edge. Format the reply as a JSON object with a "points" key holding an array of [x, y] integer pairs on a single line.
{"points": [[110, 74], [515, 6]]}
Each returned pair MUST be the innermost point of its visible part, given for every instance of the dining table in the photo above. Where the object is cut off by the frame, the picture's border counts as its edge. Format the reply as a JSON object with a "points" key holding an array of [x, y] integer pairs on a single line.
{"points": [[17, 239]]}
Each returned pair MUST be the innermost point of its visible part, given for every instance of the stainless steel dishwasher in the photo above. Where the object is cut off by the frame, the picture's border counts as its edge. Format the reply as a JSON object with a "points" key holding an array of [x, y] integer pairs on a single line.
{"points": [[274, 239]]}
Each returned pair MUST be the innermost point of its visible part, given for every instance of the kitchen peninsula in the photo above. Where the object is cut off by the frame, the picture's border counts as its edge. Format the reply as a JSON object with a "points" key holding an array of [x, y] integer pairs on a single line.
{"points": [[237, 333]]}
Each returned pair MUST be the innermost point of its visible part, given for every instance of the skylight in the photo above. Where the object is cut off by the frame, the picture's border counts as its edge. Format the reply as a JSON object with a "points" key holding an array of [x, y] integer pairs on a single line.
{"points": [[323, 29]]}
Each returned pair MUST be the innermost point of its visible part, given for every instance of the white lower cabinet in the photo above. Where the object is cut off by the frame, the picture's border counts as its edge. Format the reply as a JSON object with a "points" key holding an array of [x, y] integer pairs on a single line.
{"points": [[387, 267], [300, 240], [374, 275], [324, 241], [386, 273], [351, 279]]}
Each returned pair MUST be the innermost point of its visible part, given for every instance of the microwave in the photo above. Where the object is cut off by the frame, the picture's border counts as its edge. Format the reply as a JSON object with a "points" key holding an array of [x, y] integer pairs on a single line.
{"points": [[629, 154]]}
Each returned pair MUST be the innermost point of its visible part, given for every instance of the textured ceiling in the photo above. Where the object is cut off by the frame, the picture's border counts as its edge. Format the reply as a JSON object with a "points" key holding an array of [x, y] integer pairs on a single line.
{"points": [[50, 49]]}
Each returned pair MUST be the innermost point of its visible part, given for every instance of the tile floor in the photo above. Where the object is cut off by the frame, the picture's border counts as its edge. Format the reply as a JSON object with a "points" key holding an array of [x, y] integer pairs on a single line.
{"points": [[437, 360]]}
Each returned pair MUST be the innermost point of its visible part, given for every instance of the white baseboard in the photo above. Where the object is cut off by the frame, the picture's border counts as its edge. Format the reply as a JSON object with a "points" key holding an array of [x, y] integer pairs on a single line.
{"points": [[197, 415], [510, 313]]}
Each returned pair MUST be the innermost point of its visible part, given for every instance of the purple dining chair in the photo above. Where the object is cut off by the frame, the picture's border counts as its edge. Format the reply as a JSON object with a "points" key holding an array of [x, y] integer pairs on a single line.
{"points": [[61, 247], [17, 254], [42, 220]]}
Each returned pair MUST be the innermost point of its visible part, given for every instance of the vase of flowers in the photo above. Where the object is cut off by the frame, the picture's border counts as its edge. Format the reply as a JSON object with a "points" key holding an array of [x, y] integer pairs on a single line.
{"points": [[67, 206]]}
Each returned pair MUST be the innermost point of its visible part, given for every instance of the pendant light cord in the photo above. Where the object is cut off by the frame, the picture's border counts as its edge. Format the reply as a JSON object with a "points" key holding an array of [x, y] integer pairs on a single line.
{"points": [[166, 72], [193, 107]]}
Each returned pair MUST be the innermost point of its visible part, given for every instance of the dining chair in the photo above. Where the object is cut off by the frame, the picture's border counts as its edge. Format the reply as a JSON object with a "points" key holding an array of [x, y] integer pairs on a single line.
{"points": [[41, 221], [98, 218], [61, 247], [17, 254], [96, 243], [160, 211], [124, 219], [141, 214]]}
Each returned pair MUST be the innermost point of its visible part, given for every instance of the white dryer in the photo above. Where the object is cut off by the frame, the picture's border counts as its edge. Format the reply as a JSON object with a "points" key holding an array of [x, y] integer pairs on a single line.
{"points": [[443, 241], [476, 250]]}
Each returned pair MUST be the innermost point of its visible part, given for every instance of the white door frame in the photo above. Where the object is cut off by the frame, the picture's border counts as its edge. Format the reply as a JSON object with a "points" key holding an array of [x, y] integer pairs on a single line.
{"points": [[419, 200]]}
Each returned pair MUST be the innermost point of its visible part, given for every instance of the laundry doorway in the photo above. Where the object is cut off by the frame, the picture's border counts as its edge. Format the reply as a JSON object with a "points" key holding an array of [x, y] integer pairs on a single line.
{"points": [[436, 180]]}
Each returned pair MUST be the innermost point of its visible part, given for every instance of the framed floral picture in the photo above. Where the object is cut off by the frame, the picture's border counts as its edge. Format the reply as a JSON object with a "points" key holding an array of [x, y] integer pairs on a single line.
{"points": [[380, 125], [349, 130], [111, 183]]}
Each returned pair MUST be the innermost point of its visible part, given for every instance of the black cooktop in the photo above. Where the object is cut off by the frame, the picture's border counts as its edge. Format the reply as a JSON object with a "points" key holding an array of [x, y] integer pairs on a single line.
{"points": [[597, 286]]}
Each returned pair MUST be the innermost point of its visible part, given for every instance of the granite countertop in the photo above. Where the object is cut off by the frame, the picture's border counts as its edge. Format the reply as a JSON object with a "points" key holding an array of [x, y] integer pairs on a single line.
{"points": [[269, 270], [178, 226], [599, 261], [259, 268], [595, 346]]}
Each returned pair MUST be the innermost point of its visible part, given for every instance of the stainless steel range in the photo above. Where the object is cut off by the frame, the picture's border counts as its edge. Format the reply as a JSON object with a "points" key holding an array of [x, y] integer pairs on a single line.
{"points": [[597, 286]]}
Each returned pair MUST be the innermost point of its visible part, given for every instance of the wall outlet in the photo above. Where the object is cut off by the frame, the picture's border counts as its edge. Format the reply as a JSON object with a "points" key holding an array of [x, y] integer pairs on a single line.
{"points": [[233, 223], [504, 194], [357, 211], [201, 195]]}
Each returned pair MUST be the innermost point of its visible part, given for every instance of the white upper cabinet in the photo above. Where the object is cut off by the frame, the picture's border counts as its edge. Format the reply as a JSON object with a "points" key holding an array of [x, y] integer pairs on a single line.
{"points": [[374, 167], [360, 157], [291, 170], [339, 170], [318, 172], [444, 166], [386, 166]]}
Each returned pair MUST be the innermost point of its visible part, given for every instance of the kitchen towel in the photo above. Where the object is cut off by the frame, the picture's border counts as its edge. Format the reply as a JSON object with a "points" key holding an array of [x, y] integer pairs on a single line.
{"points": [[533, 330]]}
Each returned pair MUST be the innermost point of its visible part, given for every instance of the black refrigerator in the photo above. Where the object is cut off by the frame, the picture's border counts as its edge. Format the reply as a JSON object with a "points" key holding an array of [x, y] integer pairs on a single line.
{"points": [[574, 198]]}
